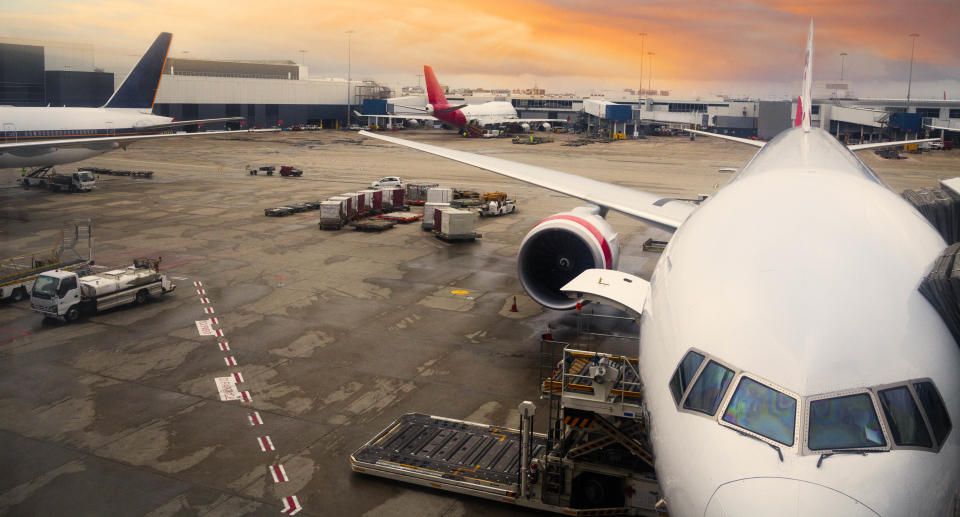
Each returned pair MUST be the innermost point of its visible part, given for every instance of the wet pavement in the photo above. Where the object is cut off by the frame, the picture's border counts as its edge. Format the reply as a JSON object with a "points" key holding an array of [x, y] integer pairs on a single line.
{"points": [[335, 334]]}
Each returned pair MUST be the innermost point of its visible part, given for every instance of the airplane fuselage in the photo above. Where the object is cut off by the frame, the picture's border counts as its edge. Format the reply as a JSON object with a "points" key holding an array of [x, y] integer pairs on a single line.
{"points": [[802, 272], [478, 114], [32, 124]]}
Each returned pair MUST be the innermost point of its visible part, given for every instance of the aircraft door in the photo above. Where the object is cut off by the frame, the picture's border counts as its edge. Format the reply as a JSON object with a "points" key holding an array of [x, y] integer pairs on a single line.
{"points": [[9, 133], [110, 130]]}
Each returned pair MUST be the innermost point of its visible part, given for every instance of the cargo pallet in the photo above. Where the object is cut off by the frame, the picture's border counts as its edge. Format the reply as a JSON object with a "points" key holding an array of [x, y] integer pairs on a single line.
{"points": [[401, 217], [374, 225], [418, 203], [457, 237]]}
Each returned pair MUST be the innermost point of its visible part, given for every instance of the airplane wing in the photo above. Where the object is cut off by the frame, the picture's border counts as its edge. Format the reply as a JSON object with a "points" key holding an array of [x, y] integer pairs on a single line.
{"points": [[109, 141], [181, 123], [662, 212], [876, 145], [755, 143], [401, 117], [945, 128]]}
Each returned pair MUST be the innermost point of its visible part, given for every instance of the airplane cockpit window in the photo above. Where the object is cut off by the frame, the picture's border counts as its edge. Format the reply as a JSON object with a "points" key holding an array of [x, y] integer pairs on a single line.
{"points": [[903, 418], [684, 374], [933, 406], [763, 410], [711, 385], [845, 422]]}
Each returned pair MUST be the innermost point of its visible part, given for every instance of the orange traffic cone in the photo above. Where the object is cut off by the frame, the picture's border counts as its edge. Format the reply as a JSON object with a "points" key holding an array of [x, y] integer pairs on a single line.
{"points": [[513, 308]]}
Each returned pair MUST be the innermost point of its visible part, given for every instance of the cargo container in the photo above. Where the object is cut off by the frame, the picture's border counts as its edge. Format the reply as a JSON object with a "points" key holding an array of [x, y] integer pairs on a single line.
{"points": [[362, 202], [374, 200], [353, 208], [428, 209], [417, 192], [439, 195], [456, 224], [348, 209], [333, 213], [397, 197]]}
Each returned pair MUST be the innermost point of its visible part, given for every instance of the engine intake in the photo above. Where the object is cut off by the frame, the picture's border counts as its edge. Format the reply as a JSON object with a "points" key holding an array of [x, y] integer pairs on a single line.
{"points": [[561, 247]]}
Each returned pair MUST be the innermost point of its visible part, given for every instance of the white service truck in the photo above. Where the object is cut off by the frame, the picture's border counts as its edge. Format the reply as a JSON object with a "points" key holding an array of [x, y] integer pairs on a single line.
{"points": [[79, 181], [18, 273], [65, 295]]}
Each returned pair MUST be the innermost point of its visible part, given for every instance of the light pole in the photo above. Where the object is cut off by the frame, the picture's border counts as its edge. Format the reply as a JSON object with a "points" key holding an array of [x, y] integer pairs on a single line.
{"points": [[843, 56], [643, 37], [913, 47], [348, 77], [302, 56], [650, 77]]}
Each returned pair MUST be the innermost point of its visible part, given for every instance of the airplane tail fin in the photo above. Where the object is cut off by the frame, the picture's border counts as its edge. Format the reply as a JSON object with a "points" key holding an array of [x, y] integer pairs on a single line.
{"points": [[139, 89], [804, 104], [435, 94]]}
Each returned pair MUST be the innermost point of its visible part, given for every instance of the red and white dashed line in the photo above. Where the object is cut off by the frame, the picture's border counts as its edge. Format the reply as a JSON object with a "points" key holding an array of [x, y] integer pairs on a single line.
{"points": [[218, 333], [254, 418], [246, 397], [214, 321], [266, 444], [279, 475], [230, 361], [291, 505], [224, 346], [201, 292], [204, 300], [198, 284], [237, 376], [208, 310]]}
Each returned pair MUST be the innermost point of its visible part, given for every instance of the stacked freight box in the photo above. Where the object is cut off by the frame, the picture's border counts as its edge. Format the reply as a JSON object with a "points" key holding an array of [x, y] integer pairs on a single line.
{"points": [[349, 209], [439, 195], [417, 192], [427, 222], [333, 213], [353, 208], [457, 224], [362, 203], [396, 197], [375, 200]]}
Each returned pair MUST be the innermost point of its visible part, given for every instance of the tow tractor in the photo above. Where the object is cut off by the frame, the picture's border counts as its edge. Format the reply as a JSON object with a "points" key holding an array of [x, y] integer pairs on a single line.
{"points": [[496, 203], [18, 273], [595, 458], [79, 181], [65, 295]]}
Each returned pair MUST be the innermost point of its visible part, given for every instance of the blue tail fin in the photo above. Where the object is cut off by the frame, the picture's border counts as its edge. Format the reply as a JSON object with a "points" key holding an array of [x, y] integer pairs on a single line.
{"points": [[139, 89]]}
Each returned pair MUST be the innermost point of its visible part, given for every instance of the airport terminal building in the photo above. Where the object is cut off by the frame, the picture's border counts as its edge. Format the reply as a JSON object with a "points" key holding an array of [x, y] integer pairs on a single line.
{"points": [[282, 93]]}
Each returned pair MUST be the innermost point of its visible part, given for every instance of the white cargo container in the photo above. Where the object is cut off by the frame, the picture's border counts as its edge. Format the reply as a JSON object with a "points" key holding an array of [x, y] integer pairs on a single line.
{"points": [[439, 195], [333, 213], [370, 199], [348, 208], [353, 208], [427, 222], [456, 223]]}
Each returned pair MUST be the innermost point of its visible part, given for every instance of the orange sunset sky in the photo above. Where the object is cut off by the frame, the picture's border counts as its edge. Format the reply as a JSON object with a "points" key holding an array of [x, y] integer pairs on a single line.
{"points": [[701, 48]]}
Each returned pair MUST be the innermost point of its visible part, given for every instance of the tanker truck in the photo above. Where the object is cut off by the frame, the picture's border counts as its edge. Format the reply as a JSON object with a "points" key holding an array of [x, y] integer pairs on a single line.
{"points": [[65, 295]]}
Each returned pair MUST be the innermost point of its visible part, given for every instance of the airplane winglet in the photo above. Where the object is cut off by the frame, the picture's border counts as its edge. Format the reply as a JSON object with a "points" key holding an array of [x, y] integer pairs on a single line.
{"points": [[806, 97]]}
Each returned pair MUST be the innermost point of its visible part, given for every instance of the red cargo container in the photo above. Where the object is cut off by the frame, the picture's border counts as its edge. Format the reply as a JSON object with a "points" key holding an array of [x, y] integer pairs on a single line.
{"points": [[361, 203], [377, 201], [437, 218]]}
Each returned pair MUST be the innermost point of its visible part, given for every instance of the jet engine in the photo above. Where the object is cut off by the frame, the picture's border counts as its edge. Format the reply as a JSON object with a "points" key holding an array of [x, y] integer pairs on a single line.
{"points": [[412, 123], [525, 127], [561, 247], [545, 127]]}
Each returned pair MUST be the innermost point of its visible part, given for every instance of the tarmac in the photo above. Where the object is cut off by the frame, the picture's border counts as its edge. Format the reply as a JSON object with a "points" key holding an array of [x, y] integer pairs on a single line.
{"points": [[335, 333]]}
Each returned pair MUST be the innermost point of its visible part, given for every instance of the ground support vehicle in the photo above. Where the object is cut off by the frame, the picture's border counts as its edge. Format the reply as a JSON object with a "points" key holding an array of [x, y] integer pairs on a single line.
{"points": [[593, 461], [267, 169], [387, 182], [654, 246], [46, 177], [496, 203], [66, 295], [18, 273], [289, 170]]}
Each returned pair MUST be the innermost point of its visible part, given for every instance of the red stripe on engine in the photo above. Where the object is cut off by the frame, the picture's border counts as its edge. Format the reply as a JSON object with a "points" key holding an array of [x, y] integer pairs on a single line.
{"points": [[607, 255]]}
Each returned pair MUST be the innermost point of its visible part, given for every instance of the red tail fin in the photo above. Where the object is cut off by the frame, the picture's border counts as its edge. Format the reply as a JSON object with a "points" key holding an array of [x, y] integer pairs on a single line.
{"points": [[798, 120], [435, 94]]}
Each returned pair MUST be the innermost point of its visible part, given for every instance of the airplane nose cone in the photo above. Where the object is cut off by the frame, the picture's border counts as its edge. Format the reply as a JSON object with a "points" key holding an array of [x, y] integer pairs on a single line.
{"points": [[782, 497]]}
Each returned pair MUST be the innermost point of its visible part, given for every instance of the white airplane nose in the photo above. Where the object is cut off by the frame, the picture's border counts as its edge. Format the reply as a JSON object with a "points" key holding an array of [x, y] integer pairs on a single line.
{"points": [[782, 497]]}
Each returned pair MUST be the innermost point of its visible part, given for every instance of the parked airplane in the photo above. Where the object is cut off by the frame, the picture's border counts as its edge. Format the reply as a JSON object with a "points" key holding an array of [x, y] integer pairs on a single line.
{"points": [[470, 117], [45, 136], [790, 365]]}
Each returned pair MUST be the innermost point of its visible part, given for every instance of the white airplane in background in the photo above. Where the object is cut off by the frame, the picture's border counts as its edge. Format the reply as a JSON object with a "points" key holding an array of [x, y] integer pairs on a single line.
{"points": [[790, 365], [470, 117], [46, 136]]}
